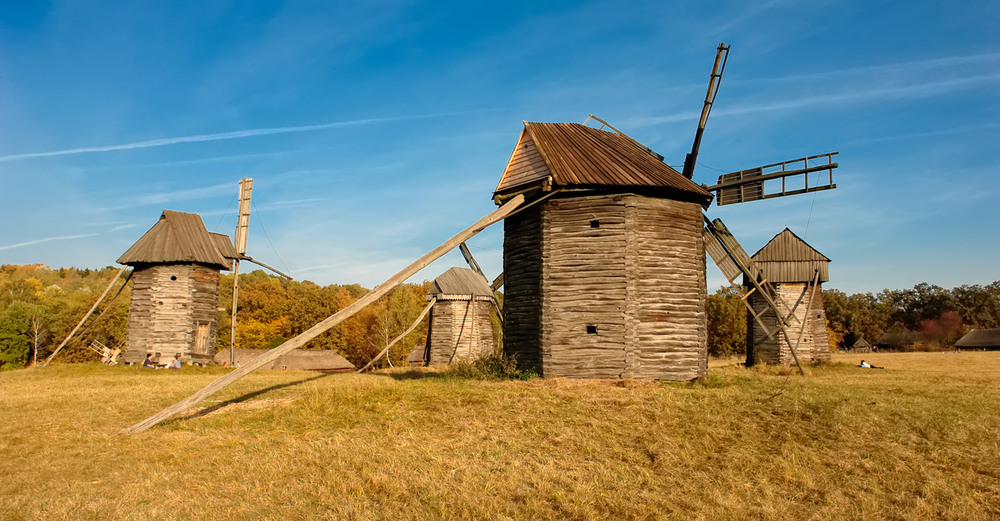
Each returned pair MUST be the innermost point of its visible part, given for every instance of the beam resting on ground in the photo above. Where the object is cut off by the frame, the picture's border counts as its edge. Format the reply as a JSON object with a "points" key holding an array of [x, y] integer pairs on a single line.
{"points": [[497, 215]]}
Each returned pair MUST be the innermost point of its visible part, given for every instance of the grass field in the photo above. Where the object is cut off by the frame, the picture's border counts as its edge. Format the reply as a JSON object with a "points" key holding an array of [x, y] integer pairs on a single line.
{"points": [[915, 441]]}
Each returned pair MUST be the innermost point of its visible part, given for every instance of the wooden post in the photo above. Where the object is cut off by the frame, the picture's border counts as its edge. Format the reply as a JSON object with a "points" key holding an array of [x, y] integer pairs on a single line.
{"points": [[400, 337], [805, 320], [232, 319], [84, 319], [342, 315]]}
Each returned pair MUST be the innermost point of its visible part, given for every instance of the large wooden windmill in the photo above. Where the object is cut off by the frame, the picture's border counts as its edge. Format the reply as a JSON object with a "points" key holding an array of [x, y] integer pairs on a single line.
{"points": [[605, 274]]}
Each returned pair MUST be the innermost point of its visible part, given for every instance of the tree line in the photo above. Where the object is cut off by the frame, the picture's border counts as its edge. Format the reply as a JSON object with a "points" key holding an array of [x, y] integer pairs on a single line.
{"points": [[938, 316], [39, 306]]}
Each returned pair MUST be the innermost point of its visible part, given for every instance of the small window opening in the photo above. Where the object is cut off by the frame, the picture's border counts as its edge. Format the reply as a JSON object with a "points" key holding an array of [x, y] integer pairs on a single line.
{"points": [[591, 330], [595, 223], [173, 277]]}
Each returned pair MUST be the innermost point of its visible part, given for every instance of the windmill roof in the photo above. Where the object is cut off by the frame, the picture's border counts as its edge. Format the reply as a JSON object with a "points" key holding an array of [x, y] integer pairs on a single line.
{"points": [[179, 237], [575, 155], [461, 281], [786, 246], [787, 258], [980, 338]]}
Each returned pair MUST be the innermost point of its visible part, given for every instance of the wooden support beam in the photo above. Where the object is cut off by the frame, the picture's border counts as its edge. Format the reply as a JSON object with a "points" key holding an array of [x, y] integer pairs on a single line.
{"points": [[342, 315], [261, 264], [802, 330], [497, 282], [400, 337], [84, 319]]}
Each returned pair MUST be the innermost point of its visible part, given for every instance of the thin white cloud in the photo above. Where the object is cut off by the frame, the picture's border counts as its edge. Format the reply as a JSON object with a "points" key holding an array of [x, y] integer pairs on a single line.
{"points": [[46, 239], [911, 91], [238, 134]]}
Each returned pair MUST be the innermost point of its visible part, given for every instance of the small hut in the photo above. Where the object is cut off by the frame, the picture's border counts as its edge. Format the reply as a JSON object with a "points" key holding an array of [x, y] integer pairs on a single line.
{"points": [[299, 359], [861, 346], [175, 289], [604, 275], [460, 327], [789, 267], [980, 339]]}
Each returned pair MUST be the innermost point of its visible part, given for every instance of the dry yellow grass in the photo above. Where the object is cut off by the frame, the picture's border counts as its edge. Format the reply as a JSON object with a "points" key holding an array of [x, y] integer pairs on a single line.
{"points": [[915, 441]]}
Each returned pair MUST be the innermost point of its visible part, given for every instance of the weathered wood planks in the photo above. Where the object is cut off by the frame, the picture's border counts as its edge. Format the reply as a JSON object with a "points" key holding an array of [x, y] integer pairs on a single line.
{"points": [[607, 286]]}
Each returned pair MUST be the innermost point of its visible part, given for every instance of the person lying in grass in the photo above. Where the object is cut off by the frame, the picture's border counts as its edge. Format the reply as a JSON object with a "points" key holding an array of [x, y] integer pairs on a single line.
{"points": [[866, 365]]}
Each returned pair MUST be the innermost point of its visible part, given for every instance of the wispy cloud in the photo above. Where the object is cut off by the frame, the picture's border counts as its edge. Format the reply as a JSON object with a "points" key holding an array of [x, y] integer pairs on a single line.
{"points": [[237, 134], [911, 91], [919, 135], [46, 239]]}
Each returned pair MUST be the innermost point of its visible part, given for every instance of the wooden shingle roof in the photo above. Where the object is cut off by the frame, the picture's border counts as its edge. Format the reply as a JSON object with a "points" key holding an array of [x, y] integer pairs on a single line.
{"points": [[565, 155], [787, 258], [461, 282], [179, 237]]}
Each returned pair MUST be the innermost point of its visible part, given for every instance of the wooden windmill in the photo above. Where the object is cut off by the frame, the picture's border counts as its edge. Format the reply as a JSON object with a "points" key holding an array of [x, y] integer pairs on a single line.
{"points": [[605, 277]]}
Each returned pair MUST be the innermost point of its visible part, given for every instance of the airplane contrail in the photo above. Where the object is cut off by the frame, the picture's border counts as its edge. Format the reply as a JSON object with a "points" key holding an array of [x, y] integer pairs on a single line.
{"points": [[237, 134]]}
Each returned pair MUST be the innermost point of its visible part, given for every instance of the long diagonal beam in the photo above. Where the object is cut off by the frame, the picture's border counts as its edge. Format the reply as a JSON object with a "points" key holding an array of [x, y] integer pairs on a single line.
{"points": [[497, 215], [400, 337], [84, 319]]}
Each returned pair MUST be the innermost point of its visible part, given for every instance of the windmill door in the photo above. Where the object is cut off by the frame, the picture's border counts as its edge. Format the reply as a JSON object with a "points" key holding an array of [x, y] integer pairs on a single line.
{"points": [[201, 340]]}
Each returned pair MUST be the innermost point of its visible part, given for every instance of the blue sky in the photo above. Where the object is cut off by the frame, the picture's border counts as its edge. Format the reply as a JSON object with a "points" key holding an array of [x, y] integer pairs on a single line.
{"points": [[376, 130]]}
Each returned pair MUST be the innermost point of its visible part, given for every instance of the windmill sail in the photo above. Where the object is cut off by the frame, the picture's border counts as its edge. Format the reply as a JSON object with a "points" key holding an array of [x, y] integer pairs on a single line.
{"points": [[776, 180]]}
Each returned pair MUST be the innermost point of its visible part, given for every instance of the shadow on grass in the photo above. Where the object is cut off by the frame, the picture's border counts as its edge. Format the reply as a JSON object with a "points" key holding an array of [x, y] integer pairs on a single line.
{"points": [[209, 410], [417, 374]]}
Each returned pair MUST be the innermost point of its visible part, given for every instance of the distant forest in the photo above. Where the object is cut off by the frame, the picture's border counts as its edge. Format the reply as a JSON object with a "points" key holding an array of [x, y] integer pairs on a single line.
{"points": [[39, 306]]}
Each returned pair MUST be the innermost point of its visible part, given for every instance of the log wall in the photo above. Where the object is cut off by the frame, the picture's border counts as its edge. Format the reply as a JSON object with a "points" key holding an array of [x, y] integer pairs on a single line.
{"points": [[606, 287], [170, 302], [815, 344], [460, 330], [522, 257]]}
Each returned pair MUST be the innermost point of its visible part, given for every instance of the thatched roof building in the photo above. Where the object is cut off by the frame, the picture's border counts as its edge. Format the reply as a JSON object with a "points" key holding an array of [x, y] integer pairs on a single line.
{"points": [[789, 266], [861, 346], [460, 327], [299, 359], [980, 339], [605, 278], [175, 289]]}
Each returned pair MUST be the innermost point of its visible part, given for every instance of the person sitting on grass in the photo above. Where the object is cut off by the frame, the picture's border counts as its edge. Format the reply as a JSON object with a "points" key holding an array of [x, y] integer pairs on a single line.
{"points": [[175, 363], [866, 365], [148, 362]]}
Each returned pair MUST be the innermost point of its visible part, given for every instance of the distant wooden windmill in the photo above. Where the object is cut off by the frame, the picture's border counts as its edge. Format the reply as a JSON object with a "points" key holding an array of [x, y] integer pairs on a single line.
{"points": [[605, 276]]}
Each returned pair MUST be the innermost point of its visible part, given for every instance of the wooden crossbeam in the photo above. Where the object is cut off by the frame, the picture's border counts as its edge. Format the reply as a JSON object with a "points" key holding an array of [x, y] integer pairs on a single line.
{"points": [[497, 215], [750, 184]]}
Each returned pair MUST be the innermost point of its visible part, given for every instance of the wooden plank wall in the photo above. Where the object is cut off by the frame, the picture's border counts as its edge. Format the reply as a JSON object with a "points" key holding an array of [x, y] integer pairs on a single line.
{"points": [[460, 330], [522, 255], [666, 264], [815, 344], [583, 285], [607, 287], [168, 303]]}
